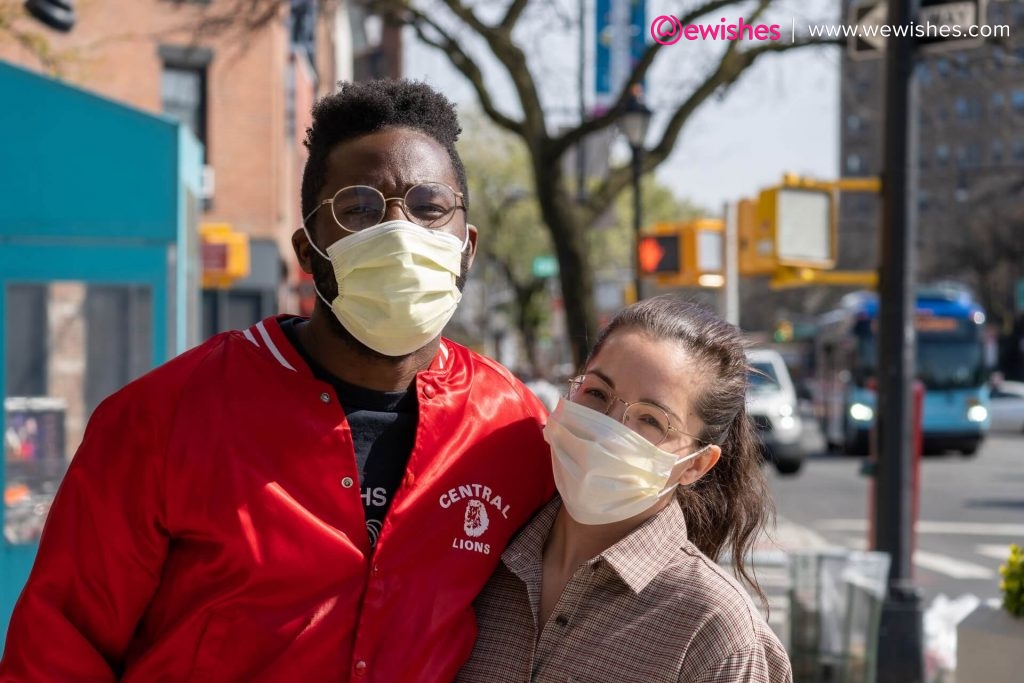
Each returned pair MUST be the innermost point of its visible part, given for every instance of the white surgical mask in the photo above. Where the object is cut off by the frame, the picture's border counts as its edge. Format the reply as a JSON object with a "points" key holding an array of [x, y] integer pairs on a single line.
{"points": [[397, 284], [604, 471]]}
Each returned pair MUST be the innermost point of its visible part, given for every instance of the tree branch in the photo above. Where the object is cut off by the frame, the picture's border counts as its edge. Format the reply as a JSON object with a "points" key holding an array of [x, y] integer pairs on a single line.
{"points": [[464, 63], [639, 73], [515, 10], [732, 65]]}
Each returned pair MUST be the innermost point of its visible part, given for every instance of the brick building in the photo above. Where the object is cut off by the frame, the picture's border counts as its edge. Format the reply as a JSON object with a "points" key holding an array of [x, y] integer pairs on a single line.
{"points": [[970, 155], [247, 97]]}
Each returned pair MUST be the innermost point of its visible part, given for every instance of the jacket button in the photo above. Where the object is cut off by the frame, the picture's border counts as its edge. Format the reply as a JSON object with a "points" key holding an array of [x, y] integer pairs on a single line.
{"points": [[325, 397], [360, 668], [429, 391], [347, 482]]}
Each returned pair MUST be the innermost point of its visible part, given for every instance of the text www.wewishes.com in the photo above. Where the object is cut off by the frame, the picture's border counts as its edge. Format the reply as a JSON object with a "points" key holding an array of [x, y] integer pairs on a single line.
{"points": [[923, 30], [668, 30]]}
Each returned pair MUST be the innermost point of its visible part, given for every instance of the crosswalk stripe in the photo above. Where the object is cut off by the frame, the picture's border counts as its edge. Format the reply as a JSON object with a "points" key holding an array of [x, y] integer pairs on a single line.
{"points": [[997, 551], [931, 527], [958, 569]]}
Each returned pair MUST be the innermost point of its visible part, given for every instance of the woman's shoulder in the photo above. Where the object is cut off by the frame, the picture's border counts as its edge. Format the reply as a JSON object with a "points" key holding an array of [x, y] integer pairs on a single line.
{"points": [[717, 600]]}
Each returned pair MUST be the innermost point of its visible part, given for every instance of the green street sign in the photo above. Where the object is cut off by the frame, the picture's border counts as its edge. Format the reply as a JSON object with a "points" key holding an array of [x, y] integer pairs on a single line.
{"points": [[1020, 295], [545, 266]]}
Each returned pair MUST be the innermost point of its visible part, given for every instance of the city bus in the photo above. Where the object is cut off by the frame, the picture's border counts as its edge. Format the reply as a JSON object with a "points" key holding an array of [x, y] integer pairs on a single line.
{"points": [[950, 363]]}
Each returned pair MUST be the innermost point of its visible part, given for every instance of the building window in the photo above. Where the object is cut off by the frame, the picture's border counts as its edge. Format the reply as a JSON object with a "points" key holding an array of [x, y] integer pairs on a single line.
{"points": [[941, 154], [854, 164], [183, 87], [963, 67], [996, 151], [1017, 98], [183, 92], [998, 102], [1018, 149], [924, 74], [854, 123], [942, 66], [922, 159], [962, 108]]}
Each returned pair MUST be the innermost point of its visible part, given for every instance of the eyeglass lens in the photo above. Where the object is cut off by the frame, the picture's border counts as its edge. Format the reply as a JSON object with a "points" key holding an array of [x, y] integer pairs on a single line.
{"points": [[647, 420], [428, 204]]}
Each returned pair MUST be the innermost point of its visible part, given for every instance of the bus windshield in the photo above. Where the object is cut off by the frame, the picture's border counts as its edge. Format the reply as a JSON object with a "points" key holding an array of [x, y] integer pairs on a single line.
{"points": [[942, 362]]}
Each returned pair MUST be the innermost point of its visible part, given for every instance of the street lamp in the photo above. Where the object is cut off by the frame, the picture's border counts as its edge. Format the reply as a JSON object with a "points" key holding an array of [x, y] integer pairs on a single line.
{"points": [[633, 124]]}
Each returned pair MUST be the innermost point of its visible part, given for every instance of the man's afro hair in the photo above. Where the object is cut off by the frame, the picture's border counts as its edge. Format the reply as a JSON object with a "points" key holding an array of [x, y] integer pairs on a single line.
{"points": [[369, 106]]}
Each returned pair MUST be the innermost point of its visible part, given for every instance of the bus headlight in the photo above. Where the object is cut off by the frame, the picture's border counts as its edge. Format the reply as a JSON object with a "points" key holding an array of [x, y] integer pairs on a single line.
{"points": [[977, 414], [785, 410], [861, 412]]}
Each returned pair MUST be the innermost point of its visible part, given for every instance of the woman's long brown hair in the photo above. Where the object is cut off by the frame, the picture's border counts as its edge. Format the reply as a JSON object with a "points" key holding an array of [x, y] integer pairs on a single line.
{"points": [[729, 506]]}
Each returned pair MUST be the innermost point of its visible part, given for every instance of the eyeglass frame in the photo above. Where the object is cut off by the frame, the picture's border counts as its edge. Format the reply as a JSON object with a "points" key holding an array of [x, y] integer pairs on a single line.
{"points": [[458, 196], [577, 381]]}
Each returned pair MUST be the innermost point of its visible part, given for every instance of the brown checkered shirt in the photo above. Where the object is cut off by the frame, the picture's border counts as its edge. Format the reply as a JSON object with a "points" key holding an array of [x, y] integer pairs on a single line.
{"points": [[651, 608]]}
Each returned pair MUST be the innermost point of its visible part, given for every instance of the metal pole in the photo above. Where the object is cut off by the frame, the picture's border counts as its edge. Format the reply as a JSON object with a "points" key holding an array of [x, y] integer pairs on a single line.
{"points": [[901, 638], [581, 163], [732, 271], [637, 220]]}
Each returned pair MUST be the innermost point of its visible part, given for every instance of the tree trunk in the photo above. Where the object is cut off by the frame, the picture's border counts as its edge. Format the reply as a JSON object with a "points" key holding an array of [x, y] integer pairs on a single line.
{"points": [[575, 274]]}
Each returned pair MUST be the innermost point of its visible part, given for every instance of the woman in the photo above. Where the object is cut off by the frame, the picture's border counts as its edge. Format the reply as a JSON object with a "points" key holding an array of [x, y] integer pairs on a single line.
{"points": [[658, 471]]}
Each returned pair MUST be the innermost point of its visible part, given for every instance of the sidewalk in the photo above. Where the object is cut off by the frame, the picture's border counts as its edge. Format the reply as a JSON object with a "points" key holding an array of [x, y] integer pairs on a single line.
{"points": [[770, 564]]}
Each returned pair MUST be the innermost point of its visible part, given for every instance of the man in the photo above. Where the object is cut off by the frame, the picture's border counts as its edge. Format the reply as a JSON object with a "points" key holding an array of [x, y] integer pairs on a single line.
{"points": [[305, 500]]}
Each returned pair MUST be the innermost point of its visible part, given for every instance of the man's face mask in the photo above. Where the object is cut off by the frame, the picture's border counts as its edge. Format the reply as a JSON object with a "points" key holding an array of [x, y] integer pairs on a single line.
{"points": [[398, 284]]}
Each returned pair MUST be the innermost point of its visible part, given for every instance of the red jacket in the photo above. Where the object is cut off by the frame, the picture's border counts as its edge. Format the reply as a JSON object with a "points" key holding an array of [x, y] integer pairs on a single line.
{"points": [[210, 527]]}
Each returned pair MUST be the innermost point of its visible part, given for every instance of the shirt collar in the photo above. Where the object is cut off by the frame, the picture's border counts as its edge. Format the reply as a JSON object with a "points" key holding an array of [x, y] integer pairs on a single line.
{"points": [[636, 559], [649, 548]]}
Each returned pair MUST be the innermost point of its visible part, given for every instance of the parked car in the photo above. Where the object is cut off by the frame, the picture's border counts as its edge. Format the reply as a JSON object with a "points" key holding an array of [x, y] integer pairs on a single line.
{"points": [[1006, 407], [772, 404]]}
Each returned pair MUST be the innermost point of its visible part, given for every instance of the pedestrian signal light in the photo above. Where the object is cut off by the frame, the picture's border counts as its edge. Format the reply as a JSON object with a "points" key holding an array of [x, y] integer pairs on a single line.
{"points": [[659, 255], [800, 217]]}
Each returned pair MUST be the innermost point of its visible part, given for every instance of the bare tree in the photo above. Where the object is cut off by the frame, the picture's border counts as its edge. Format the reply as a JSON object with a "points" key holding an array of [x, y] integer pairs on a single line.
{"points": [[459, 26]]}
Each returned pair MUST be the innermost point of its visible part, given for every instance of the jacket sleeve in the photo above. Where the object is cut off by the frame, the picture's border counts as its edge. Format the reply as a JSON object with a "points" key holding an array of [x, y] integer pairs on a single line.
{"points": [[100, 555]]}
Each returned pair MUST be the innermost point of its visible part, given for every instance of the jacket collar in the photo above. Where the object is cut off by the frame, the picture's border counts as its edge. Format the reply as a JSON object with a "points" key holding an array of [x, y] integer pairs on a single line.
{"points": [[270, 339]]}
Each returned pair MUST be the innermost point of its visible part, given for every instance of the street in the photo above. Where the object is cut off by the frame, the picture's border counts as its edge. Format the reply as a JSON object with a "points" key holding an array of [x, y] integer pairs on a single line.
{"points": [[971, 510]]}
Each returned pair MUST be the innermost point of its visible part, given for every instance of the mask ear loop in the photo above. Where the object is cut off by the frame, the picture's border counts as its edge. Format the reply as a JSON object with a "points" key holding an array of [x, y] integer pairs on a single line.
{"points": [[316, 289]]}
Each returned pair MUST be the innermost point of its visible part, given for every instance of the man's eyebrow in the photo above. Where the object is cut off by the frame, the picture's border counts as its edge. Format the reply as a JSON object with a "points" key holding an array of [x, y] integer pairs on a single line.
{"points": [[608, 380]]}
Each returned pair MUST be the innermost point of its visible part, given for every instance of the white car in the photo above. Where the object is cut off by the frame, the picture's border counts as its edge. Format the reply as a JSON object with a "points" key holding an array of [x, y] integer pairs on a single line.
{"points": [[773, 407], [1006, 408]]}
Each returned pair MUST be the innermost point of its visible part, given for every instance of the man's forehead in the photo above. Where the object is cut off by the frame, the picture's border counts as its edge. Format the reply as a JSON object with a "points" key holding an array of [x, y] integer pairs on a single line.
{"points": [[399, 155]]}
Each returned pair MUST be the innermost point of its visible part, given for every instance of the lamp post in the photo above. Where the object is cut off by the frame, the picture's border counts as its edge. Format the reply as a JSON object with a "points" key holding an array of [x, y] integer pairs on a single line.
{"points": [[634, 124]]}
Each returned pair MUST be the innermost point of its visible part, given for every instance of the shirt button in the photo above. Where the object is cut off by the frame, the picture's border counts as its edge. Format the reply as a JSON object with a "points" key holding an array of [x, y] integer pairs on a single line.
{"points": [[325, 397], [429, 391], [347, 482], [360, 668], [562, 620]]}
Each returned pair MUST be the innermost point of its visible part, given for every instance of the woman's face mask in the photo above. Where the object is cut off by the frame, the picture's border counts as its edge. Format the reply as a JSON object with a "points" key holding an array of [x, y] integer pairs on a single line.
{"points": [[604, 471]]}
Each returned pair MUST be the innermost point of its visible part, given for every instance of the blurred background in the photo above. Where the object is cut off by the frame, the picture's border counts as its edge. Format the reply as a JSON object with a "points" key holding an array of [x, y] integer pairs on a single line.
{"points": [[151, 164]]}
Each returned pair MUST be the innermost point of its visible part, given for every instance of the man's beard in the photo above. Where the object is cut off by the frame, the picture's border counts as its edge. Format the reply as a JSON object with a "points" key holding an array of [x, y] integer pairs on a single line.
{"points": [[327, 285]]}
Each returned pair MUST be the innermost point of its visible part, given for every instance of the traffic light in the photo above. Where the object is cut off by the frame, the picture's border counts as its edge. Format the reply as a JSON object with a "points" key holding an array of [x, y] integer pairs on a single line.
{"points": [[659, 254]]}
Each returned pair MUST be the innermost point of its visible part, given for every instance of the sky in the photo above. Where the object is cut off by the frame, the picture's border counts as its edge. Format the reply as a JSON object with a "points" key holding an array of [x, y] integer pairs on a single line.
{"points": [[781, 117]]}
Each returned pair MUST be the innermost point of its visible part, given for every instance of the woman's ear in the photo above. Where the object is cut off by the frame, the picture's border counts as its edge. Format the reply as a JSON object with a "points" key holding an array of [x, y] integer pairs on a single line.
{"points": [[691, 470]]}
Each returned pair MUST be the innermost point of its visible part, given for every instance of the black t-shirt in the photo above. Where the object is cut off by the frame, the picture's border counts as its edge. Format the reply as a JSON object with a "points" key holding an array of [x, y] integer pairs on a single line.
{"points": [[383, 427]]}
